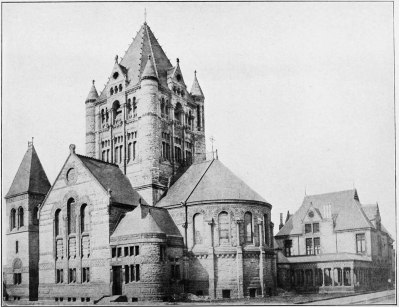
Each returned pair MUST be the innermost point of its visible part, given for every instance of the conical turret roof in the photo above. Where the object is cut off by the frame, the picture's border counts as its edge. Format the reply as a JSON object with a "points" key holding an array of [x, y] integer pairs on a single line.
{"points": [[93, 93], [196, 88], [30, 176], [149, 70]]}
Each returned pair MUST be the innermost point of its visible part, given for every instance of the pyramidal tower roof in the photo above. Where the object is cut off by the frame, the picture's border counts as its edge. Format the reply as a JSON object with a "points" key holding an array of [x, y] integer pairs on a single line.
{"points": [[93, 95], [196, 88], [136, 57], [30, 176]]}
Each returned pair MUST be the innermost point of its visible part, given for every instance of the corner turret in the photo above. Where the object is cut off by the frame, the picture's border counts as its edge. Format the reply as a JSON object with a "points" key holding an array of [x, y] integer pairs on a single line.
{"points": [[90, 121], [199, 98]]}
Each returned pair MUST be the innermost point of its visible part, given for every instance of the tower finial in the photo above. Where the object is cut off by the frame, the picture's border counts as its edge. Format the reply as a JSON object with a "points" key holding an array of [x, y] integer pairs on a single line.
{"points": [[116, 59], [195, 73], [177, 60], [93, 81], [145, 15]]}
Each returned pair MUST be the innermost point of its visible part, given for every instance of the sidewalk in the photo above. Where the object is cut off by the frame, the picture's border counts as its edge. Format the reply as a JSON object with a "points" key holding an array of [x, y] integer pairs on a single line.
{"points": [[361, 298]]}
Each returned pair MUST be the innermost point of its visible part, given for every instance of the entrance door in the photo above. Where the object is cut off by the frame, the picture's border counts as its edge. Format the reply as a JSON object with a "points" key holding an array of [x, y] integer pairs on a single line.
{"points": [[116, 280]]}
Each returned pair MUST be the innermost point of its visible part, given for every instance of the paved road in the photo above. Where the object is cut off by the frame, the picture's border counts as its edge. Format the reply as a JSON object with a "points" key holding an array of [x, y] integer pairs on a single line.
{"points": [[383, 297]]}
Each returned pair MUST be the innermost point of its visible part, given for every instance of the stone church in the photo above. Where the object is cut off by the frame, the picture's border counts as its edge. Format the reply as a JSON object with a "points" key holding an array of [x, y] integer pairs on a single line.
{"points": [[146, 213]]}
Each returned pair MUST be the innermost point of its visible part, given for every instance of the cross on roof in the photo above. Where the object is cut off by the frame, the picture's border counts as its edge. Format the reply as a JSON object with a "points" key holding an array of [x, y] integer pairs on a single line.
{"points": [[212, 139]]}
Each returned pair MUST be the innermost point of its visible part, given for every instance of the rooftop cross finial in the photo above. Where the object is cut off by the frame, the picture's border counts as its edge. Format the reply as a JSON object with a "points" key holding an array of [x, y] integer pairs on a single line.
{"points": [[177, 60], [93, 82], [30, 144], [145, 15], [212, 139], [116, 59], [195, 73]]}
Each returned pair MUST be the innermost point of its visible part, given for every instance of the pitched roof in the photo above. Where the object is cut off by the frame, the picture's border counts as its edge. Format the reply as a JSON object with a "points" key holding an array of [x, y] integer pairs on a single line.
{"points": [[30, 176], [208, 181], [111, 177], [371, 211], [136, 56], [93, 95], [196, 88], [146, 219], [345, 208]]}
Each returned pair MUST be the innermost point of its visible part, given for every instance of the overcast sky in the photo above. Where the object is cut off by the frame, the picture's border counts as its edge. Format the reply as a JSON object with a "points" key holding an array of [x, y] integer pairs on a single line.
{"points": [[298, 95]]}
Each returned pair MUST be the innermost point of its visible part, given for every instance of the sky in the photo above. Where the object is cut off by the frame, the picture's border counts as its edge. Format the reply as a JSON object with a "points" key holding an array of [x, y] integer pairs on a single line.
{"points": [[299, 96]]}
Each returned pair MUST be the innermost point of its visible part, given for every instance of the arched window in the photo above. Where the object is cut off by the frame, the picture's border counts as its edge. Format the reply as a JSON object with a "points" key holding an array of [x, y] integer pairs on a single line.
{"points": [[167, 151], [12, 219], [111, 91], [104, 151], [71, 216], [129, 151], [129, 108], [20, 217], [178, 112], [106, 115], [134, 107], [84, 218], [224, 233], [108, 155], [266, 228], [120, 87], [116, 154], [116, 107], [134, 150], [198, 225], [120, 153], [115, 89], [102, 116], [163, 107], [35, 216], [248, 227], [17, 271], [58, 223]]}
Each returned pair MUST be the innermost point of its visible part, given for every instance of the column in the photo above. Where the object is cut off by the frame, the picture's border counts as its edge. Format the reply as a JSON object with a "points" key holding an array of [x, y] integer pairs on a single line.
{"points": [[352, 280], [342, 276], [261, 258], [239, 261], [333, 277], [211, 257], [78, 248], [323, 273], [111, 280], [66, 248]]}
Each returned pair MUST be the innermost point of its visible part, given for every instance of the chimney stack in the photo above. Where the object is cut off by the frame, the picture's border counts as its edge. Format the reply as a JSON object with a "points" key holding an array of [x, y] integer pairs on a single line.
{"points": [[281, 222]]}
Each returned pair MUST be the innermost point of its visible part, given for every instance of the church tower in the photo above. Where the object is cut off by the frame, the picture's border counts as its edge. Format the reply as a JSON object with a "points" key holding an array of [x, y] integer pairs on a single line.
{"points": [[27, 192], [145, 120]]}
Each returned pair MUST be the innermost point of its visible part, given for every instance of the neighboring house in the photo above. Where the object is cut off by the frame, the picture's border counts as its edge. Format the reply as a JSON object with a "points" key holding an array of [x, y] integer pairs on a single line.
{"points": [[334, 244], [146, 214]]}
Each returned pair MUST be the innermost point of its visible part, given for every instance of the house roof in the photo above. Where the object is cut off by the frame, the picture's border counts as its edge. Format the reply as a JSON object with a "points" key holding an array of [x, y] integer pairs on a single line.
{"points": [[111, 178], [208, 181], [345, 209], [136, 56], [196, 88], [371, 211], [146, 219], [30, 176]]}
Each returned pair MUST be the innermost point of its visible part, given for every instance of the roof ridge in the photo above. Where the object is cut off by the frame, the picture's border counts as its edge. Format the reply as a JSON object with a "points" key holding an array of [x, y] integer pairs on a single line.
{"points": [[338, 192], [152, 51], [199, 180], [91, 158]]}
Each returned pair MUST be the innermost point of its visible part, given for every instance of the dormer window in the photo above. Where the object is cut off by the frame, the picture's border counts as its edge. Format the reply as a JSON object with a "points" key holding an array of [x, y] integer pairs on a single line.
{"points": [[178, 77]]}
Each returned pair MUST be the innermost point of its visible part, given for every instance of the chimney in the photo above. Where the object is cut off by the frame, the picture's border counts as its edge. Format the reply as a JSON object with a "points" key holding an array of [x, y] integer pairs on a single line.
{"points": [[281, 222]]}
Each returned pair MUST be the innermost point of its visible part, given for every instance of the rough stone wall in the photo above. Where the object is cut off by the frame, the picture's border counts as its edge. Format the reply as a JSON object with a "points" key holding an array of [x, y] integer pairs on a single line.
{"points": [[85, 190], [90, 129]]}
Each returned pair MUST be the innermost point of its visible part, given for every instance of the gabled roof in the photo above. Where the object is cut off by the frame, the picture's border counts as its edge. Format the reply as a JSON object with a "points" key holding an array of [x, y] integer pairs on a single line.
{"points": [[345, 209], [136, 56], [371, 211], [196, 88], [93, 95], [30, 176], [208, 181], [146, 219], [111, 177]]}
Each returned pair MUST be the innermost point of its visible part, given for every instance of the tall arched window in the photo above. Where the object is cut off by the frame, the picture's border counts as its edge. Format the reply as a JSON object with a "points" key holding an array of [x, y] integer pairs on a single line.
{"points": [[12, 219], [102, 116], [198, 225], [84, 218], [224, 234], [129, 108], [248, 227], [116, 106], [59, 223], [134, 150], [120, 154], [163, 107], [71, 216], [35, 216], [20, 217], [129, 151], [134, 107], [266, 228], [178, 112], [116, 154]]}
